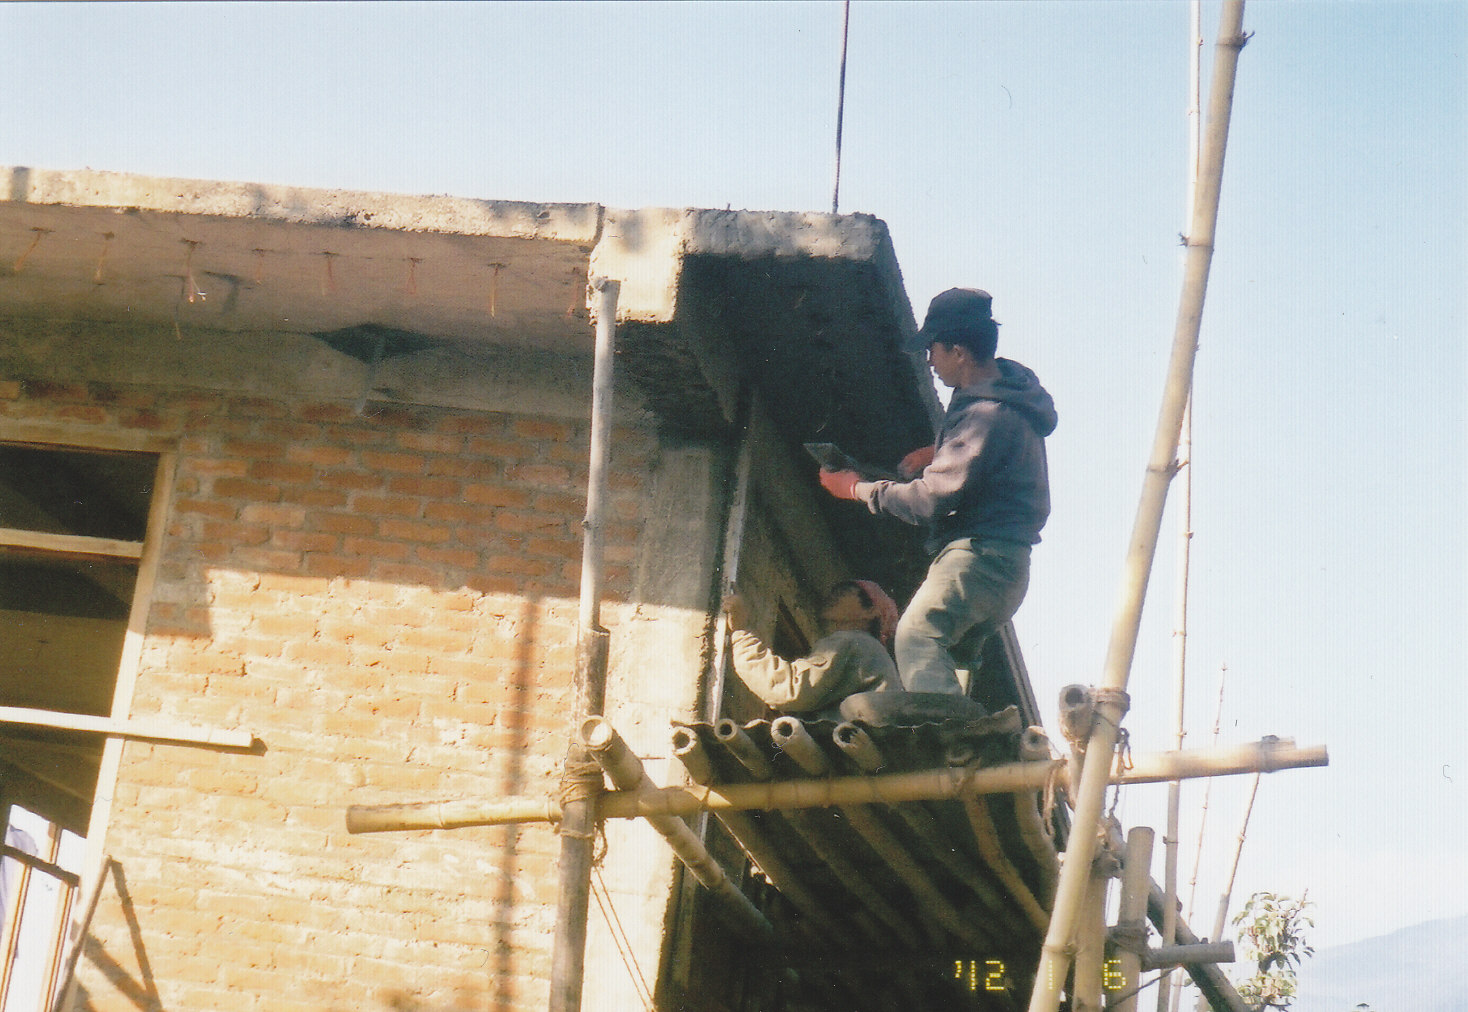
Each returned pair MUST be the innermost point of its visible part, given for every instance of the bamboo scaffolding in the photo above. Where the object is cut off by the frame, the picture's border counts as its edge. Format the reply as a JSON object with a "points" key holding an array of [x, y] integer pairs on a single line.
{"points": [[1221, 918], [1202, 825], [690, 751], [743, 748], [802, 823], [791, 736], [1169, 956], [626, 773], [1090, 959], [1210, 980], [1165, 998], [1267, 755], [858, 745], [1131, 918], [992, 851], [155, 729], [68, 973], [1038, 842], [1110, 706], [578, 821]]}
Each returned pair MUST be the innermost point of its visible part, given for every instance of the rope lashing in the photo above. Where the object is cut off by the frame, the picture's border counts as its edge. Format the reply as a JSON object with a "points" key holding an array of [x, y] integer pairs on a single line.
{"points": [[581, 780], [1117, 697], [1131, 936]]}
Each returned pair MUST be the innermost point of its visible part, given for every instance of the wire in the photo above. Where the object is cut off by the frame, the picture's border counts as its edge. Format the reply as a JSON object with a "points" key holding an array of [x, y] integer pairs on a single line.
{"points": [[619, 934], [840, 106]]}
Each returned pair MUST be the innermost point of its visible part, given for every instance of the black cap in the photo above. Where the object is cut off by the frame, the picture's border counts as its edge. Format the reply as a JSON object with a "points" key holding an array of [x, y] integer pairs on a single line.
{"points": [[955, 313]]}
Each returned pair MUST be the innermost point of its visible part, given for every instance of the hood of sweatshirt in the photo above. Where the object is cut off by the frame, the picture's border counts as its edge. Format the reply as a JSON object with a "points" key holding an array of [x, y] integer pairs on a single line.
{"points": [[1018, 387]]}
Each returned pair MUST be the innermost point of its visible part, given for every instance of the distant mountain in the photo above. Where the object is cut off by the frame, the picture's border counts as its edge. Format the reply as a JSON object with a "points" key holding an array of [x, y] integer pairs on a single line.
{"points": [[1416, 969]]}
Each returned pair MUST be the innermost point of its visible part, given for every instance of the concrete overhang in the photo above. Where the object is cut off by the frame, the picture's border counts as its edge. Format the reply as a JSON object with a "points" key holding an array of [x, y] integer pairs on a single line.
{"points": [[105, 247], [117, 278], [807, 308]]}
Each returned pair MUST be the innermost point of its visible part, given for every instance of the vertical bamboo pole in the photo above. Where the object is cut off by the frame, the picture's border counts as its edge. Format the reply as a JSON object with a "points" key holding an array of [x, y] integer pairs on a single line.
{"points": [[1220, 921], [1165, 998], [578, 818], [1136, 884], [1207, 793], [1110, 703], [1091, 940], [1203, 819], [1180, 647]]}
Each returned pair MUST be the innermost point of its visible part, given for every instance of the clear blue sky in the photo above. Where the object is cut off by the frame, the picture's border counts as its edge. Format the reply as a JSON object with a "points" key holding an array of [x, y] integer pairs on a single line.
{"points": [[1037, 150]]}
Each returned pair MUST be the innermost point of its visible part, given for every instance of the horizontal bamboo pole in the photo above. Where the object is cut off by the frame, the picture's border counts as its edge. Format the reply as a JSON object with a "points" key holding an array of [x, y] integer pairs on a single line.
{"points": [[1267, 755], [1187, 955], [796, 742], [150, 729], [626, 772], [76, 544]]}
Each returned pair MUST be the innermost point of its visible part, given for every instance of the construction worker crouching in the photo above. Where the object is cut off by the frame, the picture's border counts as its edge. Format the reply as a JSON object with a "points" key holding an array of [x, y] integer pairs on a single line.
{"points": [[852, 657]]}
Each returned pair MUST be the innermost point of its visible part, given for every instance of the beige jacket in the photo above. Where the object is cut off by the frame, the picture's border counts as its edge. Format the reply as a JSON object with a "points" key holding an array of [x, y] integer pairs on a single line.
{"points": [[838, 665]]}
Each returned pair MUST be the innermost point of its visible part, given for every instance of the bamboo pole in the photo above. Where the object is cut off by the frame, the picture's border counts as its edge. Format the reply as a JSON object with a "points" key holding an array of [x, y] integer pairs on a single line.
{"points": [[1110, 707], [1202, 821], [1220, 920], [1267, 756], [791, 736], [1180, 646], [1131, 918], [1207, 791], [766, 855], [626, 773], [865, 753], [1091, 939], [578, 816], [1210, 980], [1169, 956], [1165, 997], [742, 747], [154, 729], [992, 851], [68, 973]]}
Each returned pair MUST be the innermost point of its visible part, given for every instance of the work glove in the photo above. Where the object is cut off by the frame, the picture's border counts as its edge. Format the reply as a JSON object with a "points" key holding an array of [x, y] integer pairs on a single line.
{"points": [[913, 464], [841, 484]]}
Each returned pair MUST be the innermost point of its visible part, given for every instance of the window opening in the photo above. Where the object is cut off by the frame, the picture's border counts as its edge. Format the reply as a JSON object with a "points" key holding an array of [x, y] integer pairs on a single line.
{"points": [[72, 524]]}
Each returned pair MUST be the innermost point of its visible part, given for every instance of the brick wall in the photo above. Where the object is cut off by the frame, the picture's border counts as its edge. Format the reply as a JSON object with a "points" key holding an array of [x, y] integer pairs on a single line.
{"points": [[388, 603]]}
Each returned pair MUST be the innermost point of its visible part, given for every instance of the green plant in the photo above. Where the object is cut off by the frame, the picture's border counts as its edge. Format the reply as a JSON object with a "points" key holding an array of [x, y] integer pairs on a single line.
{"points": [[1273, 936]]}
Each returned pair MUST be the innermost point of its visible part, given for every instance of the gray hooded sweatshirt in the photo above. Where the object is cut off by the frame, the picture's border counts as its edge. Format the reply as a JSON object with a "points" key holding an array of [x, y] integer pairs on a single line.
{"points": [[988, 478]]}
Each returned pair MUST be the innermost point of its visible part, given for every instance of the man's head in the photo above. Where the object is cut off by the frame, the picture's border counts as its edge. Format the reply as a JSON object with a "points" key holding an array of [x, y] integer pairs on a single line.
{"points": [[961, 318]]}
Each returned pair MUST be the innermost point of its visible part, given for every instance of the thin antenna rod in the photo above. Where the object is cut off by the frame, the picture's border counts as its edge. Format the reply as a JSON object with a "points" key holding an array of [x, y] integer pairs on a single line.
{"points": [[840, 107]]}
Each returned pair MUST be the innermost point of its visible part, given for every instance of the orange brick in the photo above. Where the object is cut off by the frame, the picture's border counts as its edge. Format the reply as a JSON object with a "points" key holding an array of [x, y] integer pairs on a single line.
{"points": [[495, 495], [433, 488], [279, 471], [376, 548], [458, 558], [319, 455], [242, 488], [352, 481], [395, 505], [403, 463]]}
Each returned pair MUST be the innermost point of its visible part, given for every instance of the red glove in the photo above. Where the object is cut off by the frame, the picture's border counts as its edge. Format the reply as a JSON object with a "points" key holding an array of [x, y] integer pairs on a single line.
{"points": [[841, 484], [913, 464]]}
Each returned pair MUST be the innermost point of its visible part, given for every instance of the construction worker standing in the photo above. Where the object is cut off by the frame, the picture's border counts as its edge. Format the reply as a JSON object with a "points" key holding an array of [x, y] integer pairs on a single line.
{"points": [[982, 491]]}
